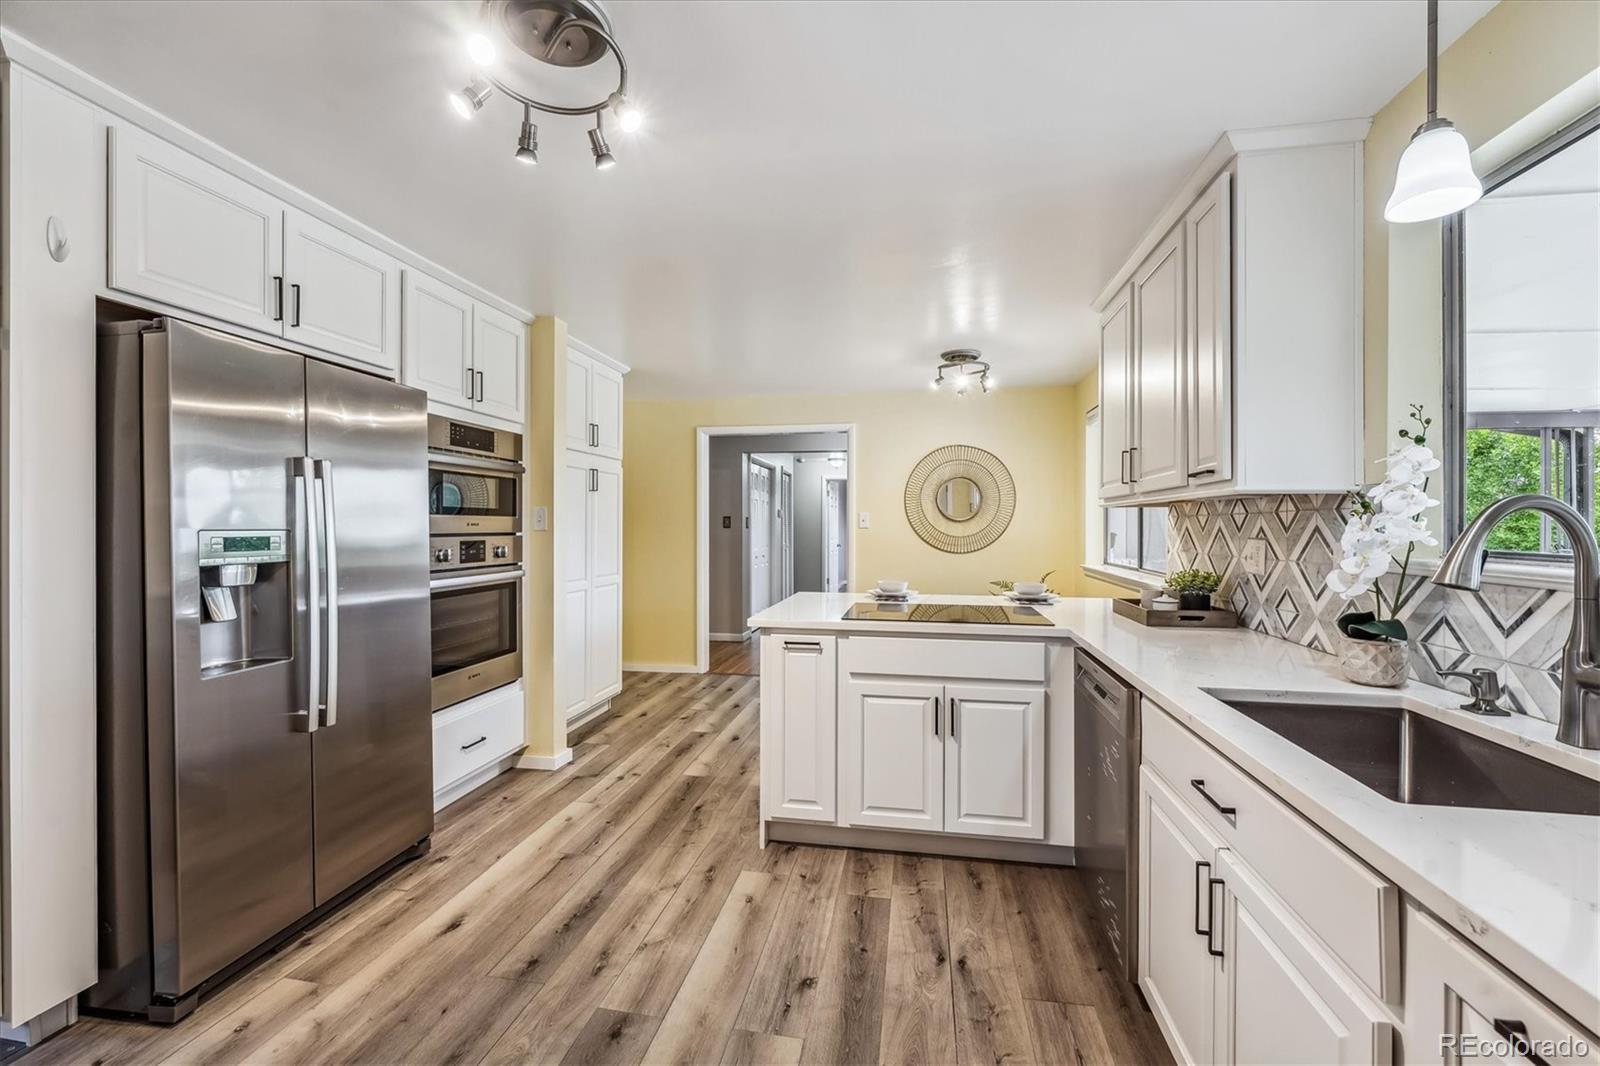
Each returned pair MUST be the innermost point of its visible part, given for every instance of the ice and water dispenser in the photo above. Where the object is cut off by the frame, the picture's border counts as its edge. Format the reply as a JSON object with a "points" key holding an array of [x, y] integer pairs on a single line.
{"points": [[246, 598]]}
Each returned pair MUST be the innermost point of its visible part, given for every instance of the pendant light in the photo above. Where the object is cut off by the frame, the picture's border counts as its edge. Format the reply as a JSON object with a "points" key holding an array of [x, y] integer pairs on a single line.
{"points": [[1435, 176]]}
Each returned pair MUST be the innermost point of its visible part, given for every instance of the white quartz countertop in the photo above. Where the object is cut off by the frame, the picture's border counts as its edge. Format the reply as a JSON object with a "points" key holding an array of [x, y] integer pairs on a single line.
{"points": [[1523, 886]]}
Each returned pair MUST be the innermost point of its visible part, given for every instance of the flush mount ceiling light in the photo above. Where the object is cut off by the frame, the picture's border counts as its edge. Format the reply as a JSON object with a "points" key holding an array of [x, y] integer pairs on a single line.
{"points": [[962, 368], [562, 33], [1435, 176]]}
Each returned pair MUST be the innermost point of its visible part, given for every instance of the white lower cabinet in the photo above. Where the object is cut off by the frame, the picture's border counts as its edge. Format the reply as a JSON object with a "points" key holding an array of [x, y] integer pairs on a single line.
{"points": [[891, 755], [472, 738], [588, 520], [799, 727], [994, 762]]}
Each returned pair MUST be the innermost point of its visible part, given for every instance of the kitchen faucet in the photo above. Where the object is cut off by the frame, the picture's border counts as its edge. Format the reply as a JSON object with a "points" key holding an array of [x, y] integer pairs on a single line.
{"points": [[1462, 568]]}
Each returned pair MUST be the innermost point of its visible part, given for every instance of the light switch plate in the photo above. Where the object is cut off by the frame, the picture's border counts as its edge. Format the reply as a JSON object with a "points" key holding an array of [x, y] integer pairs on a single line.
{"points": [[1254, 557], [864, 520], [541, 519]]}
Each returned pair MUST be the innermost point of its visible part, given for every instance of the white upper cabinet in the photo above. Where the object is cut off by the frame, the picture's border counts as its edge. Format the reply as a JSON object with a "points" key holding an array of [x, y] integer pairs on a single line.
{"points": [[343, 294], [1243, 371], [1116, 407], [499, 361], [994, 761], [438, 340], [1208, 314], [594, 402], [1157, 456], [189, 234]]}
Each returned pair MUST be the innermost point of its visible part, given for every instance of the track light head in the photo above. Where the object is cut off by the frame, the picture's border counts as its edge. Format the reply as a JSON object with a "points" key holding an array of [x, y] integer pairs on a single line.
{"points": [[603, 159], [528, 139], [629, 117], [470, 101], [480, 48]]}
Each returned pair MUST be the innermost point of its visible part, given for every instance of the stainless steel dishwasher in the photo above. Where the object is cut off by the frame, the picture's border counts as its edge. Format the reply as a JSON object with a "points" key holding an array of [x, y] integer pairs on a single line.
{"points": [[1106, 743]]}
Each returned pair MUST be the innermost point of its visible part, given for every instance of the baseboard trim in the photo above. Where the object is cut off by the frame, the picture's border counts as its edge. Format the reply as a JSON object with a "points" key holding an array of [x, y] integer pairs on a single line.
{"points": [[660, 668], [732, 638], [460, 787], [922, 843], [545, 762]]}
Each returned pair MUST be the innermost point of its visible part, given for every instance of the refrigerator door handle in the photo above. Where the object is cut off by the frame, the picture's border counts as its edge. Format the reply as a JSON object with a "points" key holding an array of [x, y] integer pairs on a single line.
{"points": [[330, 631], [305, 473]]}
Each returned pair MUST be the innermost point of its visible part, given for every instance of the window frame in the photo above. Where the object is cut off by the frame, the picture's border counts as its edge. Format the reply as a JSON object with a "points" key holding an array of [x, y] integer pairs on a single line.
{"points": [[1105, 539], [1454, 418]]}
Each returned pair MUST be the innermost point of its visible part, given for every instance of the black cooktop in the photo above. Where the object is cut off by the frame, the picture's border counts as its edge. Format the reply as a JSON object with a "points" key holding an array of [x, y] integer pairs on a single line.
{"points": [[983, 614]]}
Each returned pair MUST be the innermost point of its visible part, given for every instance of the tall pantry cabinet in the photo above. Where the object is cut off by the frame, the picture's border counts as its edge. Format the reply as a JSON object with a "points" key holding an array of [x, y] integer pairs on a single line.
{"points": [[589, 535]]}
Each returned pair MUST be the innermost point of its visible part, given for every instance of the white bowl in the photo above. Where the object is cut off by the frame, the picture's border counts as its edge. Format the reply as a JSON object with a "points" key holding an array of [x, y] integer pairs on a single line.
{"points": [[1030, 589], [894, 588]]}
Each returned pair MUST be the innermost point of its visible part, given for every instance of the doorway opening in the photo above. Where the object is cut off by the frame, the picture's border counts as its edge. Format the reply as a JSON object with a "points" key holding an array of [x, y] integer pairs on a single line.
{"points": [[774, 519]]}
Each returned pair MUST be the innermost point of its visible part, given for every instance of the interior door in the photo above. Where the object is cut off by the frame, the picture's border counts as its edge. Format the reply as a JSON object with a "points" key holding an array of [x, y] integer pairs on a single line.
{"points": [[499, 356], [1160, 439], [891, 755], [760, 561], [343, 294], [1176, 969], [1116, 405], [835, 566], [189, 234], [605, 406], [605, 580], [1281, 998], [572, 576], [438, 340], [994, 761], [786, 534], [374, 753]]}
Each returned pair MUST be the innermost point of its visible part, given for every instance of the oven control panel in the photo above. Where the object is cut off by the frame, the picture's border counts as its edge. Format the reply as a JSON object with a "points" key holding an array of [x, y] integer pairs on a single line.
{"points": [[473, 552]]}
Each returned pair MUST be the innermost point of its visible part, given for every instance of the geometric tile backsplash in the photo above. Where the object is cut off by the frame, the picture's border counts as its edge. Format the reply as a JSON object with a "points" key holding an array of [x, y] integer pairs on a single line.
{"points": [[1518, 632]]}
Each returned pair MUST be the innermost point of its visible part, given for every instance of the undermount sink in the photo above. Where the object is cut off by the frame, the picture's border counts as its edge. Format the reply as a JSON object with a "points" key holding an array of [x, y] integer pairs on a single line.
{"points": [[1411, 758]]}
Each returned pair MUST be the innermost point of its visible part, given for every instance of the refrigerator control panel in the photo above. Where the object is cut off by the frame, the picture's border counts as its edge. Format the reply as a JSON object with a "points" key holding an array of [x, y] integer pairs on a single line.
{"points": [[234, 547]]}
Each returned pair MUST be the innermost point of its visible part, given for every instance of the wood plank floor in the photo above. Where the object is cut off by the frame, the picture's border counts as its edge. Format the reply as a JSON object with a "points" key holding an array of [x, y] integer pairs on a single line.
{"points": [[735, 657], [619, 911]]}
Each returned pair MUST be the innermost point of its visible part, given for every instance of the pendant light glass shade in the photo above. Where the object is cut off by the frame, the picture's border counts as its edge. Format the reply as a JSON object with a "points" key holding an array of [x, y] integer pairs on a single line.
{"points": [[1435, 177]]}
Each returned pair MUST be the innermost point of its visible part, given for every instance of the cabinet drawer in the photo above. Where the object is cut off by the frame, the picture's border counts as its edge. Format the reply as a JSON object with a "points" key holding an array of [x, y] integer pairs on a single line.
{"points": [[931, 657], [473, 734], [1457, 996], [1355, 912]]}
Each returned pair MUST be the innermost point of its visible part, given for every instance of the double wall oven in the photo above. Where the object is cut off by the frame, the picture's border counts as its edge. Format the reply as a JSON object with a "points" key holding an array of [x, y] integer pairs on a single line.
{"points": [[475, 545]]}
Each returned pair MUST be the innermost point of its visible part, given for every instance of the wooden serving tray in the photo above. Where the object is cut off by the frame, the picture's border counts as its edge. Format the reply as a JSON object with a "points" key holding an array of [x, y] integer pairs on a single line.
{"points": [[1212, 619]]}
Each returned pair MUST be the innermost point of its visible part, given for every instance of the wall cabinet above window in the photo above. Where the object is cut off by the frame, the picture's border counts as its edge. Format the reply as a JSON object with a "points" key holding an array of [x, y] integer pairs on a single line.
{"points": [[1230, 342]]}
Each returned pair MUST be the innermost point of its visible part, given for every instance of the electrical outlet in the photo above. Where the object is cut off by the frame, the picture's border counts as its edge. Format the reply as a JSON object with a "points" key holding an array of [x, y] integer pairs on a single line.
{"points": [[864, 520], [1254, 557], [541, 519]]}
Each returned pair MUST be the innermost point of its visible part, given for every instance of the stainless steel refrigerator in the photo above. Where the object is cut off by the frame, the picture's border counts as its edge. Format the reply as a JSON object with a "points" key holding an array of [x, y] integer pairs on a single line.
{"points": [[265, 697]]}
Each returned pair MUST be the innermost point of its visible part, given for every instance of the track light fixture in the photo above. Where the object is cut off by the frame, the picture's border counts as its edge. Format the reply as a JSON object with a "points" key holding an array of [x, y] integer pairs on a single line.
{"points": [[960, 369], [563, 33]]}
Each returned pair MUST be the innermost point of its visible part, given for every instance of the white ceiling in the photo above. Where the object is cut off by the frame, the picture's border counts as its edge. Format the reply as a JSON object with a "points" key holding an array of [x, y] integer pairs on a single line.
{"points": [[826, 195]]}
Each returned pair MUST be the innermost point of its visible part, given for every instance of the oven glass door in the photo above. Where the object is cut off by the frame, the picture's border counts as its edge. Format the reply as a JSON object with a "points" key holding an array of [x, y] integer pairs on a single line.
{"points": [[477, 643], [463, 499]]}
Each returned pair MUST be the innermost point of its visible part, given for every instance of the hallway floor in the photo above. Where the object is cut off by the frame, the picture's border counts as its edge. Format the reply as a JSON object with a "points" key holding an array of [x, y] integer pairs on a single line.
{"points": [[620, 911], [736, 656]]}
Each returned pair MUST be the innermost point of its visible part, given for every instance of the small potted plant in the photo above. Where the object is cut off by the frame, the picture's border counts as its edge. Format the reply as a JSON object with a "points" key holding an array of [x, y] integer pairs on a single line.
{"points": [[1194, 588], [1385, 521]]}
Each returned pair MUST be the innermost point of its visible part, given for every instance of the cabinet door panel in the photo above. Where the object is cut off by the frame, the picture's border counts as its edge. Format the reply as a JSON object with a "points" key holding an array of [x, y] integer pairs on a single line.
{"points": [[192, 235], [1159, 438], [799, 754], [1208, 243], [605, 581], [580, 375], [891, 758], [1175, 969], [994, 762], [571, 520], [499, 358], [343, 294], [1281, 999], [1116, 413], [438, 339], [605, 406]]}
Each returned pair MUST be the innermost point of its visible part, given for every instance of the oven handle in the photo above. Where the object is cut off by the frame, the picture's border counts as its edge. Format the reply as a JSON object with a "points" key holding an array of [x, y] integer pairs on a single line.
{"points": [[452, 461], [488, 577]]}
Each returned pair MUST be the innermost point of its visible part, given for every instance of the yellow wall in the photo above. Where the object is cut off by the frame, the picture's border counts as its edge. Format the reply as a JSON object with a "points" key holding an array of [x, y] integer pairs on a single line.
{"points": [[547, 390], [1510, 63], [1036, 432]]}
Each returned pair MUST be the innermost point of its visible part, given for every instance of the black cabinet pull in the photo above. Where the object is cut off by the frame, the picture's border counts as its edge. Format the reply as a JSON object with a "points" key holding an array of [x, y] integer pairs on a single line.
{"points": [[277, 282], [295, 290], [954, 703], [1517, 1033], [936, 717], [1198, 880], [1207, 472], [1122, 467], [1133, 479], [1211, 914], [1230, 813], [475, 743]]}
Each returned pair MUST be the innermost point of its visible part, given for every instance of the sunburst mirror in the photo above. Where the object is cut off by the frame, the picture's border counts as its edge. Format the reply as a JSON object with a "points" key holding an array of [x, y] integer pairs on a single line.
{"points": [[960, 498]]}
